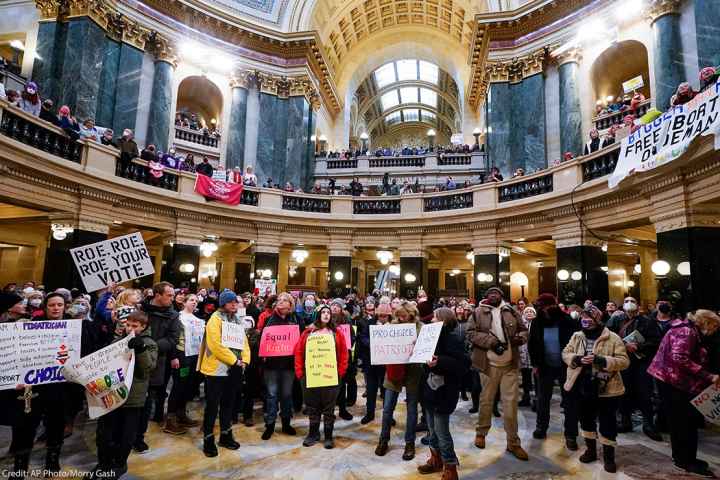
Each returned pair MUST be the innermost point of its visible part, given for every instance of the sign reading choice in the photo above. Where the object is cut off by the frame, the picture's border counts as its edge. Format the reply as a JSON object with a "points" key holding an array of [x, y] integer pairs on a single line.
{"points": [[399, 343], [233, 335], [279, 340], [116, 260]]}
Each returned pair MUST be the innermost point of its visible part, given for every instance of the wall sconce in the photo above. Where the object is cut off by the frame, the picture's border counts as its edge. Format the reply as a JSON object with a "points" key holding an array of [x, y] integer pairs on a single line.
{"points": [[563, 275], [186, 268], [576, 275], [410, 278], [660, 268], [339, 275]]}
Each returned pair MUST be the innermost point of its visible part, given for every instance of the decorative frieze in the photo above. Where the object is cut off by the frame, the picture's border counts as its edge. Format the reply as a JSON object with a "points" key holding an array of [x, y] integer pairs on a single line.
{"points": [[655, 9], [570, 55]]}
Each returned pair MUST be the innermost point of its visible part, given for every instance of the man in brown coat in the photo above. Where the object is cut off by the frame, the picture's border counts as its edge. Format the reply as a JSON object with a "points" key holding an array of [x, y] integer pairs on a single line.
{"points": [[495, 331]]}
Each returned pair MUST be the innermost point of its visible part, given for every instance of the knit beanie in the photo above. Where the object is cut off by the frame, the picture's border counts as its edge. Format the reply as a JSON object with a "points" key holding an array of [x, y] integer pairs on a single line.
{"points": [[338, 301], [9, 300], [226, 297], [546, 300]]}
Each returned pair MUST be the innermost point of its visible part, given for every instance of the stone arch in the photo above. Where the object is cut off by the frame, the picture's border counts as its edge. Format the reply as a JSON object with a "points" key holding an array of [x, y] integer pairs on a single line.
{"points": [[199, 95], [618, 63]]}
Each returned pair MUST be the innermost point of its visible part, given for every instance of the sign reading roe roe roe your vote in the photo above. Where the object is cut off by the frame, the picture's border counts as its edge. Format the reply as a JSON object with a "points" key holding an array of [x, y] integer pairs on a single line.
{"points": [[116, 260]]}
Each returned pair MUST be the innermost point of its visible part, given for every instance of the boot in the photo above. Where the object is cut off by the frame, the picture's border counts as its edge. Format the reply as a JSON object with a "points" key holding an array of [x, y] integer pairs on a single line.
{"points": [[433, 465], [590, 454], [313, 435], [328, 432], [21, 465], [172, 425], [480, 441], [345, 415], [227, 440], [287, 428], [609, 458], [382, 448], [209, 448], [625, 424], [650, 430], [185, 421], [409, 452], [269, 430], [52, 461], [450, 473]]}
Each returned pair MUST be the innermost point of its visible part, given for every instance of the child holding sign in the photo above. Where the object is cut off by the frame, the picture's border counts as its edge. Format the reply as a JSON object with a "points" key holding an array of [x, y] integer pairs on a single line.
{"points": [[321, 359], [223, 369]]}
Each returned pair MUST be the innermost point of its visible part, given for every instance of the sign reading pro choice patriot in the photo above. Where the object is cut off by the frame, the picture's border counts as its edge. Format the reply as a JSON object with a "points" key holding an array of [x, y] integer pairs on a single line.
{"points": [[279, 340], [392, 344], [116, 260]]}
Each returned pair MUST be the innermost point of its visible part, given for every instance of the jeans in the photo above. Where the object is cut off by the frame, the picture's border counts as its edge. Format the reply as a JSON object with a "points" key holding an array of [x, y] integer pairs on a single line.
{"points": [[374, 377], [220, 393], [545, 382], [115, 435], [391, 398], [154, 396], [684, 420], [603, 410], [440, 437], [279, 384]]}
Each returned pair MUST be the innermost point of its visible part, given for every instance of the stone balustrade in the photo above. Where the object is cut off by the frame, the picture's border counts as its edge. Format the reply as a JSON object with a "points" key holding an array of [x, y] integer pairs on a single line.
{"points": [[342, 163], [529, 187], [600, 163], [604, 122], [452, 201], [196, 136], [447, 159], [306, 203], [413, 161]]}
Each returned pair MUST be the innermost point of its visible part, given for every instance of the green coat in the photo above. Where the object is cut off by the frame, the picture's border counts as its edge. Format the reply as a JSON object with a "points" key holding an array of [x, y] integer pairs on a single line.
{"points": [[144, 365]]}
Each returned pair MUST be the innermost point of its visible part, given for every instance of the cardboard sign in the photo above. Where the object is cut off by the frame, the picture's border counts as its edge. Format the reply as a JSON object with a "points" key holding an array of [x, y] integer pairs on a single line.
{"points": [[266, 287], [35, 353], [426, 342], [194, 329], [116, 260], [320, 361], [345, 330], [233, 335], [279, 340], [669, 135], [392, 343], [633, 84], [107, 376], [708, 403]]}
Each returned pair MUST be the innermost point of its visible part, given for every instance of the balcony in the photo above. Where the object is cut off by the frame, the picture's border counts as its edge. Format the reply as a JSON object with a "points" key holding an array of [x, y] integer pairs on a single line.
{"points": [[448, 202], [600, 163], [196, 137], [414, 161], [305, 203], [528, 188], [604, 122], [336, 164], [376, 207], [454, 159]]}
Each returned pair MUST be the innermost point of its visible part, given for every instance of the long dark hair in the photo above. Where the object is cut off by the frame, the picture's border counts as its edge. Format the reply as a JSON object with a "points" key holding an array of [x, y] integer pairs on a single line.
{"points": [[319, 325]]}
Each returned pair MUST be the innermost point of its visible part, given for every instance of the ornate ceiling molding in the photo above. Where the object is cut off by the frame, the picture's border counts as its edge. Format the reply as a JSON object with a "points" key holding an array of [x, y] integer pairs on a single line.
{"points": [[659, 8]]}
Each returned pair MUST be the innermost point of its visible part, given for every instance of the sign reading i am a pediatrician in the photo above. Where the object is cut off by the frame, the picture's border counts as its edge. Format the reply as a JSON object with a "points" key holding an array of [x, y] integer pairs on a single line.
{"points": [[112, 261]]}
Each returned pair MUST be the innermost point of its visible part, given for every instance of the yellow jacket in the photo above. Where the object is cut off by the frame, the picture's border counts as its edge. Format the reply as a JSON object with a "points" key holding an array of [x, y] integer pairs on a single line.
{"points": [[215, 359]]}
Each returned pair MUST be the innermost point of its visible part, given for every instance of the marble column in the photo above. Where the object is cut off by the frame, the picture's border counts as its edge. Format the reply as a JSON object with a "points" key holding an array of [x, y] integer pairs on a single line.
{"points": [[268, 123], [417, 267], [707, 23], [340, 281], [47, 69], [60, 271], [108, 84], [128, 88], [694, 268], [667, 45], [158, 131], [499, 104], [310, 149], [281, 172], [174, 256], [571, 139], [527, 124], [297, 140], [235, 150], [587, 280]]}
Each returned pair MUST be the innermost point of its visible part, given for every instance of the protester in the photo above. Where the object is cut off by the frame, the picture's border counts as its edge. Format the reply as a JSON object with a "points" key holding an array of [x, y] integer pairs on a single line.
{"points": [[373, 374], [341, 317]]}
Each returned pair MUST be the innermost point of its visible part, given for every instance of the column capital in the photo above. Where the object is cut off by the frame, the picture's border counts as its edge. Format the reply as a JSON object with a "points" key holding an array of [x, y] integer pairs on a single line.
{"points": [[172, 238], [659, 8], [413, 252], [243, 79], [572, 55], [161, 48]]}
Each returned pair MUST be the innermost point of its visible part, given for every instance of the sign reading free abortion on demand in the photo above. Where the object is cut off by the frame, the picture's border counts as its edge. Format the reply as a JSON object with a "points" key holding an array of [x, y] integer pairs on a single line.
{"points": [[116, 260]]}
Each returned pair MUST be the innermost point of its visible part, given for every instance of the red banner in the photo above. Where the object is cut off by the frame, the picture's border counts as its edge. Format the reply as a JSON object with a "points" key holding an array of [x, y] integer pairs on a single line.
{"points": [[225, 192]]}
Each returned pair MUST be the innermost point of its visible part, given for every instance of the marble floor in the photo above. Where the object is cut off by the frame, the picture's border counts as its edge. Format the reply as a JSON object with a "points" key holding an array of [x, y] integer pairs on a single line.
{"points": [[284, 457]]}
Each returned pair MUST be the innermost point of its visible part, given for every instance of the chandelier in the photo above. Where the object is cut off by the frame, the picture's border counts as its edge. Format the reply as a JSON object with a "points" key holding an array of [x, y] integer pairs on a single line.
{"points": [[300, 255], [384, 256]]}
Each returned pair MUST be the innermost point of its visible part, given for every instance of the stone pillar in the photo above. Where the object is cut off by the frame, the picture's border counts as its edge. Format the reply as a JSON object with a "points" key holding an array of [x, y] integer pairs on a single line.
{"points": [[297, 158], [269, 122], [667, 45], [128, 88], [159, 121], [108, 84], [60, 271], [235, 150], [47, 69], [707, 19], [499, 104], [570, 114], [266, 257], [176, 264], [527, 124], [648, 286], [413, 267], [583, 259]]}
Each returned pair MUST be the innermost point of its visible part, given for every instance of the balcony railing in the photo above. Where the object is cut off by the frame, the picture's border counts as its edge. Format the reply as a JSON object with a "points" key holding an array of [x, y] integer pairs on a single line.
{"points": [[389, 162], [600, 163], [608, 120], [196, 136], [376, 207], [138, 171], [454, 159], [351, 163], [38, 134], [305, 204], [529, 188], [449, 202], [249, 197]]}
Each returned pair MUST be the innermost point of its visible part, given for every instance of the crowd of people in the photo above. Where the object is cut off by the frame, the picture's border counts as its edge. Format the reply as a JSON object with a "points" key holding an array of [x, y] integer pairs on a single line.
{"points": [[609, 362], [193, 121], [404, 151]]}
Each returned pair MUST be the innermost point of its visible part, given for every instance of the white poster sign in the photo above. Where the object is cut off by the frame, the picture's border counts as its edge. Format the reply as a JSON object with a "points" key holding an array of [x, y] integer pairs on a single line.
{"points": [[266, 287], [233, 335], [392, 344], [426, 342], [708, 403], [107, 376], [35, 353], [633, 84], [669, 136], [194, 329], [116, 260]]}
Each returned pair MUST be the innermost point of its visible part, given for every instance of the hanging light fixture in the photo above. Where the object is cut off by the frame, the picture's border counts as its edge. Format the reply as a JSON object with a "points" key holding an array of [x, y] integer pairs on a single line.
{"points": [[394, 269], [660, 268], [208, 247], [384, 256], [300, 255], [563, 275], [60, 232]]}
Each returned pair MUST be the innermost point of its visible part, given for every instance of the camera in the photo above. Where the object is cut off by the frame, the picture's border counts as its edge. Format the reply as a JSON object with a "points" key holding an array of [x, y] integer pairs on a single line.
{"points": [[500, 348]]}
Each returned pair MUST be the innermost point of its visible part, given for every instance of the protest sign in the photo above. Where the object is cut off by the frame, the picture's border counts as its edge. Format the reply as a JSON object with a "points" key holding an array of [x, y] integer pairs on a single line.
{"points": [[426, 342], [708, 403], [320, 361], [279, 340], [266, 287], [107, 376], [233, 335], [633, 84], [669, 135], [345, 331], [116, 260], [392, 343], [194, 330], [34, 353]]}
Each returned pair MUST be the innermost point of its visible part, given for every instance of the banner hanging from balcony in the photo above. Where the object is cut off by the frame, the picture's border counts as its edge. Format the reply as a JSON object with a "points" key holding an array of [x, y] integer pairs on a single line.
{"points": [[669, 135], [224, 192]]}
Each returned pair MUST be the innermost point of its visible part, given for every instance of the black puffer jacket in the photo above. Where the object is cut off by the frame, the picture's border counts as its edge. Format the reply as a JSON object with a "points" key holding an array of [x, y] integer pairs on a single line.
{"points": [[165, 329], [550, 317], [452, 363]]}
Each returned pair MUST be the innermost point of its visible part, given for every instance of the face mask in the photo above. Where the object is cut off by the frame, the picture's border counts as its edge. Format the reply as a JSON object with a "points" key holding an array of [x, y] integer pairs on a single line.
{"points": [[31, 91], [630, 306], [664, 308], [35, 302], [81, 309], [309, 303], [586, 323], [574, 314]]}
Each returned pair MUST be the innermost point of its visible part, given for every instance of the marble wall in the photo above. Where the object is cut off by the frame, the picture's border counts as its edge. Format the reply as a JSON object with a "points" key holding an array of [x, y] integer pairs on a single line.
{"points": [[128, 88], [707, 26], [498, 114], [252, 122], [668, 66], [50, 48], [108, 83], [297, 141], [552, 115], [158, 130], [267, 122], [570, 114], [235, 150]]}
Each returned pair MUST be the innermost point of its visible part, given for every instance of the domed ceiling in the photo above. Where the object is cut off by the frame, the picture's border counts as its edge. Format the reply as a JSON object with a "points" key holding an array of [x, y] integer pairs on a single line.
{"points": [[267, 10]]}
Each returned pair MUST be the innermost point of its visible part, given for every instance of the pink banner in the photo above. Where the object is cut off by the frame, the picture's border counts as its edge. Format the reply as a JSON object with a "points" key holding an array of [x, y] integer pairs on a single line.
{"points": [[345, 330], [279, 340]]}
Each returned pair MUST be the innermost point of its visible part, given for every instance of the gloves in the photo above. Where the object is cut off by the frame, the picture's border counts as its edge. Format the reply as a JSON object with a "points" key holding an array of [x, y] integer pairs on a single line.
{"points": [[600, 361], [499, 348], [137, 344], [516, 341], [576, 361]]}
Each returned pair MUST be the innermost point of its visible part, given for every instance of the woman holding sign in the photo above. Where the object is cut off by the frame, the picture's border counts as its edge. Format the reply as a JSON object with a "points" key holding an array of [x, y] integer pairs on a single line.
{"points": [[681, 366], [321, 360], [222, 366]]}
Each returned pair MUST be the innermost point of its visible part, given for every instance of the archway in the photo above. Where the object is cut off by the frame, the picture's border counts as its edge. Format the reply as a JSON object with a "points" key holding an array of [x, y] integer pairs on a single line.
{"points": [[199, 104], [619, 63]]}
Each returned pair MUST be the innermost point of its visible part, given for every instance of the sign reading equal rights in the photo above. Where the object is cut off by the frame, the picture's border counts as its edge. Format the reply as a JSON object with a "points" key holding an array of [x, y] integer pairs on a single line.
{"points": [[279, 340]]}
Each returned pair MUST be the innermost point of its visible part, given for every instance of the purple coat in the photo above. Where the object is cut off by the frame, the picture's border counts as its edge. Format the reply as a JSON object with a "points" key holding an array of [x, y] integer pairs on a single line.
{"points": [[681, 361]]}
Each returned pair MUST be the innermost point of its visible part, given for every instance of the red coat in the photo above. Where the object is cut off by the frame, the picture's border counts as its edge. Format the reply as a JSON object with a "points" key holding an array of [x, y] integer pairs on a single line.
{"points": [[341, 350]]}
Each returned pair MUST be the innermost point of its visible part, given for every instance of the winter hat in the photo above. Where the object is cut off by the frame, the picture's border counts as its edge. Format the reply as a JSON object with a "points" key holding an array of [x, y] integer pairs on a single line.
{"points": [[227, 297], [546, 300], [383, 309], [318, 312], [494, 289], [338, 301], [64, 110], [9, 300], [593, 312], [425, 309], [528, 310]]}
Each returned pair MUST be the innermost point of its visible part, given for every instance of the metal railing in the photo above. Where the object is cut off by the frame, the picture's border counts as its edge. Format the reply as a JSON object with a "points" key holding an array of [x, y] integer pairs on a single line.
{"points": [[352, 163], [376, 207], [196, 136], [389, 162], [529, 188], [606, 121], [39, 134], [138, 171], [305, 204], [454, 159], [601, 164], [448, 202]]}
